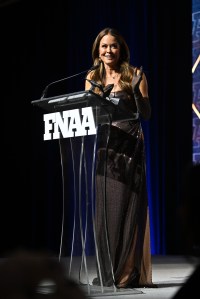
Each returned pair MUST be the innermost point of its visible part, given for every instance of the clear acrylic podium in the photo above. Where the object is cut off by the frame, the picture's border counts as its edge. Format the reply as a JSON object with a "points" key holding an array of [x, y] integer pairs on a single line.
{"points": [[82, 113]]}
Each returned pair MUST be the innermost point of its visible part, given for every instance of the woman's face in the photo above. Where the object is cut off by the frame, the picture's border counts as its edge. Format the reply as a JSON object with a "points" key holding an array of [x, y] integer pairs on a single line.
{"points": [[109, 50]]}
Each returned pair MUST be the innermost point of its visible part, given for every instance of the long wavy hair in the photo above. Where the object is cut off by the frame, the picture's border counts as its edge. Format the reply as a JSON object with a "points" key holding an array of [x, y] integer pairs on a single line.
{"points": [[124, 67]]}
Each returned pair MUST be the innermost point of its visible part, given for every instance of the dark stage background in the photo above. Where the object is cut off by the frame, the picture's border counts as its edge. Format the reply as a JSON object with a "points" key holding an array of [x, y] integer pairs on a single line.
{"points": [[43, 41]]}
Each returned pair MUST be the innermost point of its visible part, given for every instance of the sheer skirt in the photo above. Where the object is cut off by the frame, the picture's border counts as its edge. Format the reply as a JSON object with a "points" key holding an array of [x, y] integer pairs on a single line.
{"points": [[122, 215]]}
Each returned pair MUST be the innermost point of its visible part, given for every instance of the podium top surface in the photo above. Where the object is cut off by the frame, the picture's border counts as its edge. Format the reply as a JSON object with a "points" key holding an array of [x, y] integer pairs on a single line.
{"points": [[85, 98], [73, 100]]}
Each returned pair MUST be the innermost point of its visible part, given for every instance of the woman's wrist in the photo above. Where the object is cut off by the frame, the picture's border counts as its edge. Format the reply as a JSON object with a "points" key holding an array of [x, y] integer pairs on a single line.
{"points": [[143, 105], [137, 95]]}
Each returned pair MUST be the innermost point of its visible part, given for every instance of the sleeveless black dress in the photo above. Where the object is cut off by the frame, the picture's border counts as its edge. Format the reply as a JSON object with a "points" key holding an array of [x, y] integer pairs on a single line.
{"points": [[121, 214]]}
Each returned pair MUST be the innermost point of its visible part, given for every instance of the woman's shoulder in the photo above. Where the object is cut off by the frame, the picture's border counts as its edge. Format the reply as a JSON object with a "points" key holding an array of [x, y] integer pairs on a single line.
{"points": [[88, 75]]}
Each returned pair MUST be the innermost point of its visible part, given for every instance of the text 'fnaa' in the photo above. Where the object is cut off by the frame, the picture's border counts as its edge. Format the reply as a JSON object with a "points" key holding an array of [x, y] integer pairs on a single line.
{"points": [[70, 123]]}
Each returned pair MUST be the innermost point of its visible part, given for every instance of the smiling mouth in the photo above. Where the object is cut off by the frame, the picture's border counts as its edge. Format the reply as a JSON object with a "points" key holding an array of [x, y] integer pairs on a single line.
{"points": [[109, 56]]}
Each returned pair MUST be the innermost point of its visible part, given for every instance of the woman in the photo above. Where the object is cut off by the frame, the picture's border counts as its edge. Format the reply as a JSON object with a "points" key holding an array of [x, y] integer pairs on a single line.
{"points": [[122, 215]]}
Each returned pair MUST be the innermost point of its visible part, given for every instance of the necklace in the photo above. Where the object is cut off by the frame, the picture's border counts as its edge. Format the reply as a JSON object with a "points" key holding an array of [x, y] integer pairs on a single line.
{"points": [[116, 75]]}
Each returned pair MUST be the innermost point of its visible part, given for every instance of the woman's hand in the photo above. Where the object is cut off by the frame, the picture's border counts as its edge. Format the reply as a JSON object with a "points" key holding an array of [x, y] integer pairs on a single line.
{"points": [[137, 78]]}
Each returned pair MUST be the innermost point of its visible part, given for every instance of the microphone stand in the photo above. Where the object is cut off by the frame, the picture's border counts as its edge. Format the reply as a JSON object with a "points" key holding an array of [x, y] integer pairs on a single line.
{"points": [[63, 79]]}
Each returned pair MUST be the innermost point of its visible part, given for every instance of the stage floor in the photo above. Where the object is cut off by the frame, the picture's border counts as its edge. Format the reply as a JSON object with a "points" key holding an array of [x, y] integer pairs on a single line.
{"points": [[169, 274]]}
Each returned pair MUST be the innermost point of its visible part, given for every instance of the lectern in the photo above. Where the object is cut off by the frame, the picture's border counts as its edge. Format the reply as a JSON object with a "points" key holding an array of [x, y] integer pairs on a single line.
{"points": [[79, 115]]}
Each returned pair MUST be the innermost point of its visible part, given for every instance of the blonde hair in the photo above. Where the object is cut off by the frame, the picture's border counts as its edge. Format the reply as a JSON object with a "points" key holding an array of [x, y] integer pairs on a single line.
{"points": [[126, 70]]}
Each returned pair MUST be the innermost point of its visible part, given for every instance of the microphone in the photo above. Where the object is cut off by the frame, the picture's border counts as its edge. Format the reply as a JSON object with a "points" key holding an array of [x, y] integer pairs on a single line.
{"points": [[105, 91], [95, 84], [94, 67]]}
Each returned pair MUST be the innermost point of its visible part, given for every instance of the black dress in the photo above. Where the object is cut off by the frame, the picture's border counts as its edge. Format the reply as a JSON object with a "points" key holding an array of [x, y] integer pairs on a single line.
{"points": [[122, 215]]}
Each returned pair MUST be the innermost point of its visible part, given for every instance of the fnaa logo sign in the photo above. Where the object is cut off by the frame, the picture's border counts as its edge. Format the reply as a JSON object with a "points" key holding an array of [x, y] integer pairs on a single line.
{"points": [[70, 123]]}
